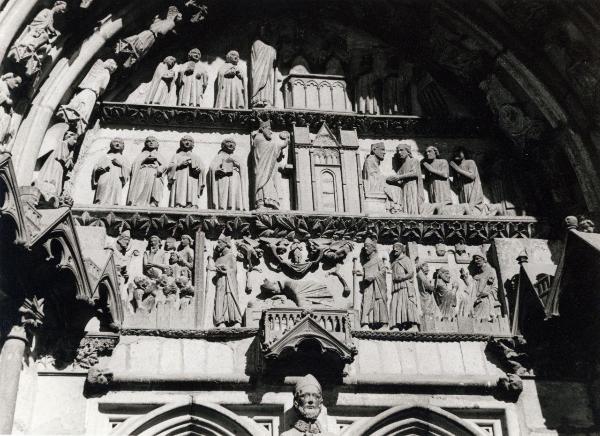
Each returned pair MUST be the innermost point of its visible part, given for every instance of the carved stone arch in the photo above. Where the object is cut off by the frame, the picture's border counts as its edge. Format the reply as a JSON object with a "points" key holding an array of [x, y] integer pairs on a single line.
{"points": [[190, 418], [414, 420]]}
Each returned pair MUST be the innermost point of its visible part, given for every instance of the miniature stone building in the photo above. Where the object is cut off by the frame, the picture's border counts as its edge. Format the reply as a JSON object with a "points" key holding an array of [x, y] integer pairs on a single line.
{"points": [[292, 218]]}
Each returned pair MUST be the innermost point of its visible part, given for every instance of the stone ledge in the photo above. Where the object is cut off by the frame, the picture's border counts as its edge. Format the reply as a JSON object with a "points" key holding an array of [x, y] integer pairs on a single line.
{"points": [[118, 113], [304, 225]]}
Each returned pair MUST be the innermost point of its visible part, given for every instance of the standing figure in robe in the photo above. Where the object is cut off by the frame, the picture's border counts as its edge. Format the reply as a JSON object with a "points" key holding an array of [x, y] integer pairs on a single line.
{"points": [[154, 262], [33, 45], [445, 293], [146, 187], [162, 89], [408, 178], [110, 174], [185, 253], [426, 289], [466, 181], [193, 80], [374, 182], [51, 177], [225, 183], [404, 310], [227, 307], [267, 151], [80, 108], [373, 310], [186, 175], [8, 83], [483, 289], [263, 59], [231, 84], [136, 46], [437, 175]]}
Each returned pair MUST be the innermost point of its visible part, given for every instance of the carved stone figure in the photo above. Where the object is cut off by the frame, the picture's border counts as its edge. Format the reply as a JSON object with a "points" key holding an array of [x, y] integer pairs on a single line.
{"points": [[267, 151], [308, 401], [146, 187], [154, 262], [404, 310], [396, 90], [142, 295], [426, 290], [445, 293], [262, 58], [186, 291], [225, 184], [8, 83], [373, 311], [304, 294], [374, 182], [186, 175], [33, 45], [482, 286], [110, 174], [466, 180], [51, 177], [185, 253], [122, 255], [163, 88], [227, 308], [409, 179], [437, 180], [193, 80], [367, 92], [80, 108], [136, 46], [231, 84]]}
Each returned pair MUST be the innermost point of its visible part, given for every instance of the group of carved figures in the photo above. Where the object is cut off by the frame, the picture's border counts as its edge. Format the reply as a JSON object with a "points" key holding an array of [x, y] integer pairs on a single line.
{"points": [[187, 176], [439, 296], [404, 191]]}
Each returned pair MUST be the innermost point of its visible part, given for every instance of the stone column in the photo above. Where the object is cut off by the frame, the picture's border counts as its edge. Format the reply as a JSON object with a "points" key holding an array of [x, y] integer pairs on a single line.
{"points": [[11, 363]]}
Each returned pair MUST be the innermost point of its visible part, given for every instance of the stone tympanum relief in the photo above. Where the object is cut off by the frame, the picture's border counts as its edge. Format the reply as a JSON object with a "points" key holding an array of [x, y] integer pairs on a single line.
{"points": [[32, 47]]}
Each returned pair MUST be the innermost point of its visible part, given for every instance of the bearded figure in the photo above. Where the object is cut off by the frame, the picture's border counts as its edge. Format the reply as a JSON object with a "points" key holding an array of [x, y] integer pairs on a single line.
{"points": [[308, 402]]}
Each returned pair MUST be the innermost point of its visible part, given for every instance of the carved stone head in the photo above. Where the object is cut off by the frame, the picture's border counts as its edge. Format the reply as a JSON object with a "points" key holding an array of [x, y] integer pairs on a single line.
{"points": [[265, 129], [424, 267], [270, 288], [444, 275], [378, 150], [431, 153], [170, 61], [399, 249], [12, 80], [308, 398], [233, 57], [174, 14], [186, 143], [173, 258], [370, 246], [151, 143], [186, 241], [154, 241], [70, 138], [194, 55], [460, 154], [110, 65], [124, 239], [403, 151], [170, 244], [60, 7], [117, 145], [228, 145], [479, 260]]}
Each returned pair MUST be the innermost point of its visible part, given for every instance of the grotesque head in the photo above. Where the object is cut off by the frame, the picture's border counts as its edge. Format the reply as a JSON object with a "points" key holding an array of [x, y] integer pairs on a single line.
{"points": [[233, 57], [403, 151], [110, 65], [459, 155], [117, 145], [194, 55], [431, 153], [586, 226], [378, 150], [60, 7], [186, 241], [444, 275], [308, 398], [187, 143], [151, 143], [228, 145]]}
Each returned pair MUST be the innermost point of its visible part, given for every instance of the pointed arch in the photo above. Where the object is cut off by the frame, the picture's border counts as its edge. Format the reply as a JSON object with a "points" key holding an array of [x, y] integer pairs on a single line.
{"points": [[190, 418], [414, 420]]}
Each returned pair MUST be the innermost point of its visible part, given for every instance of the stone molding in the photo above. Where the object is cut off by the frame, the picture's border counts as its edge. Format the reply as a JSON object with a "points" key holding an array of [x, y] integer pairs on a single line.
{"points": [[117, 113], [427, 230]]}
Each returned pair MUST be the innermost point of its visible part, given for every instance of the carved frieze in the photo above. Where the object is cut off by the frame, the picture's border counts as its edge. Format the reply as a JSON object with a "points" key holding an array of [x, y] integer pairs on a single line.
{"points": [[248, 120]]}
